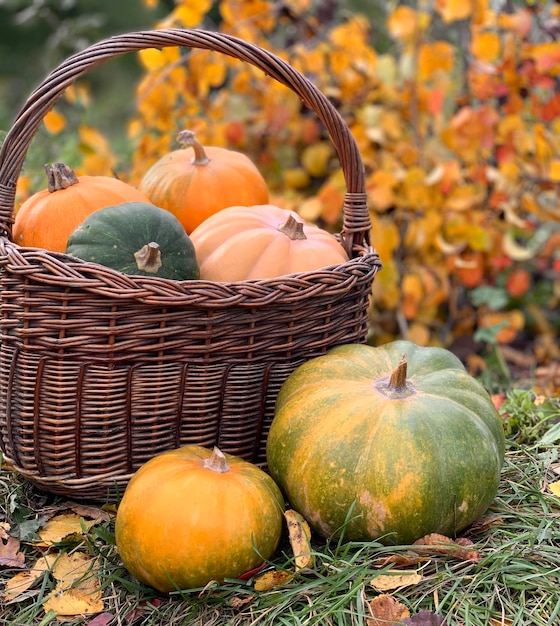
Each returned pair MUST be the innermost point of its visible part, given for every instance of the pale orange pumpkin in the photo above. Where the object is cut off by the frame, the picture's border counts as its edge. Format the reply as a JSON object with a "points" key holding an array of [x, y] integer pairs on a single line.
{"points": [[264, 241], [48, 218], [194, 187]]}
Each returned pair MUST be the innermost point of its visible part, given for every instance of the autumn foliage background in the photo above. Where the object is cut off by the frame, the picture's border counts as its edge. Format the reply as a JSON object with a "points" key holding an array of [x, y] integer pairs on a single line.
{"points": [[455, 105]]}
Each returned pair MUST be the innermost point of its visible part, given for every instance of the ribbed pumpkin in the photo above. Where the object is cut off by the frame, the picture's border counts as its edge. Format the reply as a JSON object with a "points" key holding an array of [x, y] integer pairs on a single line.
{"points": [[194, 187], [46, 219], [189, 516], [393, 442], [256, 242], [136, 238]]}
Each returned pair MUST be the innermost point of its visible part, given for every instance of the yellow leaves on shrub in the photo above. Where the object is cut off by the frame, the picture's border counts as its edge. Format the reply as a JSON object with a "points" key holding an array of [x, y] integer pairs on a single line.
{"points": [[506, 324], [486, 45], [437, 56], [554, 171], [454, 10], [244, 19], [546, 56], [315, 158], [207, 70], [471, 132], [54, 122], [189, 14], [158, 59], [99, 159], [380, 187], [404, 24]]}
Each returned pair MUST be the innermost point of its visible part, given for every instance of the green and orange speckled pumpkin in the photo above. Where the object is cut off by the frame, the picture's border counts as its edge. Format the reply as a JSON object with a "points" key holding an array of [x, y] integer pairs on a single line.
{"points": [[191, 515], [359, 444]]}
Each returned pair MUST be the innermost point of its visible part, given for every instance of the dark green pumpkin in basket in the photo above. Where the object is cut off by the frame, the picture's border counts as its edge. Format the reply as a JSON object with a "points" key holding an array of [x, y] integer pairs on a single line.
{"points": [[136, 238]]}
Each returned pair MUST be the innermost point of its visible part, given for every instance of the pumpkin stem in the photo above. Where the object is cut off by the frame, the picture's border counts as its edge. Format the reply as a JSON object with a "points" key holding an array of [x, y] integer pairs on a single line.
{"points": [[148, 258], [398, 377], [60, 176], [396, 386], [188, 138], [216, 462], [292, 228]]}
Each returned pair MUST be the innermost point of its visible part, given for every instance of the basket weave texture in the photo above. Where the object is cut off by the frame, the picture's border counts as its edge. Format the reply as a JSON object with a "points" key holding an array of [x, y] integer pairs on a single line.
{"points": [[100, 371]]}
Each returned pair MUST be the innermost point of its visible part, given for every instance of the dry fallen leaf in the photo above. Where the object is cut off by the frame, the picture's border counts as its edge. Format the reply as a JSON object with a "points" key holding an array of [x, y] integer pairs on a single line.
{"points": [[62, 527], [440, 544], [90, 512], [23, 581], [395, 579], [484, 523], [4, 530], [300, 539], [554, 488], [77, 591], [271, 579], [424, 618], [10, 555], [401, 559], [385, 610]]}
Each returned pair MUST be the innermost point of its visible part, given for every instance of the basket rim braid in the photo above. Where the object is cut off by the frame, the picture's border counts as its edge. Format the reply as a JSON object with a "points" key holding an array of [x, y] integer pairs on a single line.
{"points": [[100, 371]]}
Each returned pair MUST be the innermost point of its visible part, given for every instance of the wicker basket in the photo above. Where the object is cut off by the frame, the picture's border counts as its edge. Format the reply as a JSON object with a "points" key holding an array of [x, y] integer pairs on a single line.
{"points": [[100, 371]]}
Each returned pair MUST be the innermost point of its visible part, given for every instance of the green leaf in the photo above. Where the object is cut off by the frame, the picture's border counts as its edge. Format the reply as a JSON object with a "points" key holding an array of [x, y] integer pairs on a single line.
{"points": [[494, 297]]}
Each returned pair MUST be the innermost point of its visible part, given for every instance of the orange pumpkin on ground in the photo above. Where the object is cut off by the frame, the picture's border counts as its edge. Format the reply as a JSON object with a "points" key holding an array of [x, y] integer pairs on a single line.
{"points": [[195, 187], [256, 242], [48, 218], [191, 515]]}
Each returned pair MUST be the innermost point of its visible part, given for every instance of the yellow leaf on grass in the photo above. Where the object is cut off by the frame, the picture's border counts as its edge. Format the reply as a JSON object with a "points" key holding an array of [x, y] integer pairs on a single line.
{"points": [[21, 582], [272, 579], [61, 527], [77, 591], [555, 488], [300, 539], [395, 579]]}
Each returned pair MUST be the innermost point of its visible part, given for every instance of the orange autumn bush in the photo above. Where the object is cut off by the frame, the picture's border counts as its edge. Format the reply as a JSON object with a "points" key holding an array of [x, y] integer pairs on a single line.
{"points": [[458, 123]]}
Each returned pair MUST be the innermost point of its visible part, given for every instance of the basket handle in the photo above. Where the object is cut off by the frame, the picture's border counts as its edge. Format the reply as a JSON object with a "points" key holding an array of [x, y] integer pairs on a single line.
{"points": [[356, 220]]}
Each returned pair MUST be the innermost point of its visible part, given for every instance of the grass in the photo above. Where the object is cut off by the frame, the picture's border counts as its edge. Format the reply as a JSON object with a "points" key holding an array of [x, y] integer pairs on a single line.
{"points": [[514, 583]]}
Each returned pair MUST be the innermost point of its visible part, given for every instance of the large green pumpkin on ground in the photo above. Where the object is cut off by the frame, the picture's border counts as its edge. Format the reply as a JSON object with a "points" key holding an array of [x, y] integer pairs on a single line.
{"points": [[136, 238], [389, 443]]}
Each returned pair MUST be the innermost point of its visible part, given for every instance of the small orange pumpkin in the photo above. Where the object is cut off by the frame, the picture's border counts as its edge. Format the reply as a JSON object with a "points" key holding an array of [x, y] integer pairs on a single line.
{"points": [[48, 218], [189, 516], [195, 187], [256, 242]]}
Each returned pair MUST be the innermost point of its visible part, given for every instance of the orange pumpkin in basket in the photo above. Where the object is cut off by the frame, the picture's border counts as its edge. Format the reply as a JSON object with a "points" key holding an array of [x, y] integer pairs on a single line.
{"points": [[195, 187], [48, 218], [256, 242]]}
